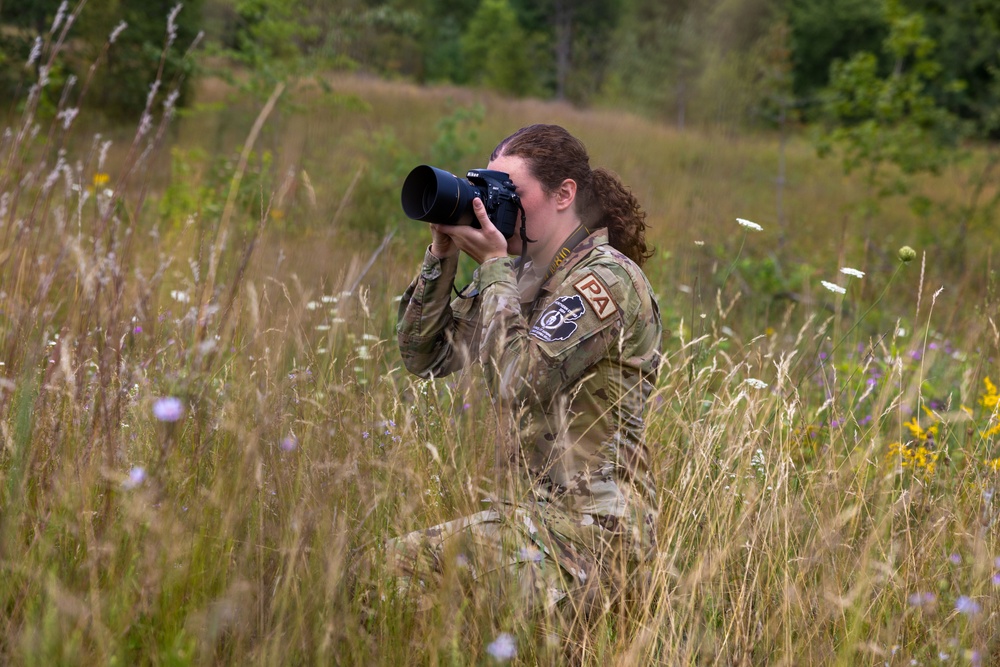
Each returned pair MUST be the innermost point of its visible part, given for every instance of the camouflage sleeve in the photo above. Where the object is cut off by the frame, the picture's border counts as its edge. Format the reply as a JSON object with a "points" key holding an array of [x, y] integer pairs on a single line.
{"points": [[581, 324], [433, 342]]}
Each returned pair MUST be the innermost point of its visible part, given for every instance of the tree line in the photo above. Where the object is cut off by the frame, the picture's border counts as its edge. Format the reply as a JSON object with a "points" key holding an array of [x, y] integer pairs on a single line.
{"points": [[753, 62]]}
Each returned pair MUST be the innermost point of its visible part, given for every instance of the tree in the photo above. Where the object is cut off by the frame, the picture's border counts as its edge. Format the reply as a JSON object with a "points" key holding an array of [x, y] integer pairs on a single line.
{"points": [[880, 121], [827, 30], [497, 49]]}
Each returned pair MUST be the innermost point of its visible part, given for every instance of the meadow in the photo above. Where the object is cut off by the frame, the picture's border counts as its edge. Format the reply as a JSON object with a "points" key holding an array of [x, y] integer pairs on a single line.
{"points": [[207, 431]]}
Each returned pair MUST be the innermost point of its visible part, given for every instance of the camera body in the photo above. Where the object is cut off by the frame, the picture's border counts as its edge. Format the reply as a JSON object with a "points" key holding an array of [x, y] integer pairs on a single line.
{"points": [[434, 195]]}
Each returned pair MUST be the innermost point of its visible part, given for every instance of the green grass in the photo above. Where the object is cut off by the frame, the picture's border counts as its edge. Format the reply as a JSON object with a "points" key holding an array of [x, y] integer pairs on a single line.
{"points": [[249, 530]]}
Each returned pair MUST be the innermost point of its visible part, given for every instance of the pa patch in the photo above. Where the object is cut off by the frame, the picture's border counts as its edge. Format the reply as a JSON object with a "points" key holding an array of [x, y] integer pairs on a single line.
{"points": [[597, 295], [558, 322]]}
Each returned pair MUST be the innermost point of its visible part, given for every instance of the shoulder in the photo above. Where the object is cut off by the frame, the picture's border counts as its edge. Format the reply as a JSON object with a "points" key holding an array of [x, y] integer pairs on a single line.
{"points": [[611, 282]]}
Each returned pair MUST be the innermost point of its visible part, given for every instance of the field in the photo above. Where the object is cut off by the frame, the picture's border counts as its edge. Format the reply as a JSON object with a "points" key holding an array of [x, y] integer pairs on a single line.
{"points": [[207, 433]]}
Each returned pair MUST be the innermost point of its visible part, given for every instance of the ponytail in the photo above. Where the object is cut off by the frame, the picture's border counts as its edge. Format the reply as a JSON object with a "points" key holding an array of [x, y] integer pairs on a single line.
{"points": [[621, 214]]}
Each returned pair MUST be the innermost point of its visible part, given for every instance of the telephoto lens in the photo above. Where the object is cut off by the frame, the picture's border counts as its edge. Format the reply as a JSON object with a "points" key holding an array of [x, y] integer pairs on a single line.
{"points": [[435, 195]]}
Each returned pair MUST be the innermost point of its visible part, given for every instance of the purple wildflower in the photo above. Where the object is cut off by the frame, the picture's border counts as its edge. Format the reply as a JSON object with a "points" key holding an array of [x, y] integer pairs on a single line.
{"points": [[136, 476], [169, 409], [922, 599], [955, 559], [966, 605], [289, 442], [503, 648]]}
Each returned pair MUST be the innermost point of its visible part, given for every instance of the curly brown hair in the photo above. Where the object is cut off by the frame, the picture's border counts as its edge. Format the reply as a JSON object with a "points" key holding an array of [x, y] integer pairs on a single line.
{"points": [[553, 155]]}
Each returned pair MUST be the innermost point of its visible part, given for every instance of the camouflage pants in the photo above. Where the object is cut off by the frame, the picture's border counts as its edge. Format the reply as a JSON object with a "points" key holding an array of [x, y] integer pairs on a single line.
{"points": [[550, 555]]}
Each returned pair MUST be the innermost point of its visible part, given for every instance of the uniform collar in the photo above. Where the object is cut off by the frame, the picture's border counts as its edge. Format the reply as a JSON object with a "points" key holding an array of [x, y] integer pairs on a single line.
{"points": [[598, 238]]}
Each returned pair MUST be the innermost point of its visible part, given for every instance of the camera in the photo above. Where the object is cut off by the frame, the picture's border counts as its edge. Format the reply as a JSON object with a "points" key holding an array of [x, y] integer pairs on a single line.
{"points": [[435, 195]]}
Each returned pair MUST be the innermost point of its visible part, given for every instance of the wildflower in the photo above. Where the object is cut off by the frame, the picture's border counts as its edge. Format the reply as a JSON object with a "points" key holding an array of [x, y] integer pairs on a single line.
{"points": [[136, 476], [907, 254], [749, 225], [922, 599], [179, 295], [955, 559], [852, 272], [966, 605], [836, 289], [503, 648], [289, 442], [756, 384], [168, 409], [990, 397], [995, 578]]}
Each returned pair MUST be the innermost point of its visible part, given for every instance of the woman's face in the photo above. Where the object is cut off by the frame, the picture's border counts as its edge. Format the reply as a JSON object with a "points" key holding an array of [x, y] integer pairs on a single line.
{"points": [[538, 205]]}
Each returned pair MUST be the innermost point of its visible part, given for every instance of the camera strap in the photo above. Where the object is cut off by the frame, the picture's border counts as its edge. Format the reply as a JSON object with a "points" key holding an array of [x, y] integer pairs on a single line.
{"points": [[567, 247], [524, 242]]}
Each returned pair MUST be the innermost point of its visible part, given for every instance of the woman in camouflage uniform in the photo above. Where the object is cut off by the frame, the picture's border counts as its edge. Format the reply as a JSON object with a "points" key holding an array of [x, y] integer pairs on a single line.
{"points": [[570, 349]]}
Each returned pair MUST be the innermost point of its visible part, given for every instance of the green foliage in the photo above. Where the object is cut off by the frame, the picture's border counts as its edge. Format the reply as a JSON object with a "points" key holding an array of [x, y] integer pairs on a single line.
{"points": [[375, 205], [497, 51], [824, 31], [968, 39], [148, 43], [888, 120]]}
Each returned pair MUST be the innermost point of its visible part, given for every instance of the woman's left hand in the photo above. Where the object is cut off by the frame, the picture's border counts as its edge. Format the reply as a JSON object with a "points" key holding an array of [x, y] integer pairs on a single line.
{"points": [[480, 244]]}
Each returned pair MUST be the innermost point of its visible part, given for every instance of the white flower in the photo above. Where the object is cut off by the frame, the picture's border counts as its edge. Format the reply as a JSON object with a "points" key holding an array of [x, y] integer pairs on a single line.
{"points": [[503, 648], [749, 224], [178, 295], [136, 476], [836, 289], [168, 409], [852, 272], [755, 383]]}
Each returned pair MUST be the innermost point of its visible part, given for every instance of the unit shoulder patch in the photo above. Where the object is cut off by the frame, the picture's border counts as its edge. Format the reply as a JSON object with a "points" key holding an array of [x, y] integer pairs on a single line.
{"points": [[558, 321], [597, 295]]}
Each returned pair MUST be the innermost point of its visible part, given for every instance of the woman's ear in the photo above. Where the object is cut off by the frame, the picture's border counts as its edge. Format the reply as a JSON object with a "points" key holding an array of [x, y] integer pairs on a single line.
{"points": [[565, 194]]}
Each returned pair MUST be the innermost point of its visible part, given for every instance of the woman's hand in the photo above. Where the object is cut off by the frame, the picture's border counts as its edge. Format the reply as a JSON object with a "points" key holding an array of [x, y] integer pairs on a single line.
{"points": [[480, 244], [441, 244]]}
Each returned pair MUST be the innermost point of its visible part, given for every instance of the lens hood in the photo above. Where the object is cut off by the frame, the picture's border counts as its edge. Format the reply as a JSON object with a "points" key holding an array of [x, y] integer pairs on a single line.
{"points": [[435, 195]]}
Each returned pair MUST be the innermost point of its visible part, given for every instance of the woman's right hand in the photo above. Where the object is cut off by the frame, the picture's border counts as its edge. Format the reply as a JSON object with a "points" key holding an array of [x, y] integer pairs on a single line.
{"points": [[441, 244]]}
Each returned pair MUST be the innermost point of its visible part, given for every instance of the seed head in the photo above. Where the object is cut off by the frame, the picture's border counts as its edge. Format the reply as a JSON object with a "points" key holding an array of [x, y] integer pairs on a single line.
{"points": [[907, 254]]}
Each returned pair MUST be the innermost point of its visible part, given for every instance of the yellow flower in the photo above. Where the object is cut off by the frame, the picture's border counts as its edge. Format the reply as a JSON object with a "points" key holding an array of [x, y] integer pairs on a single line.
{"points": [[990, 398], [101, 179], [994, 465], [921, 458]]}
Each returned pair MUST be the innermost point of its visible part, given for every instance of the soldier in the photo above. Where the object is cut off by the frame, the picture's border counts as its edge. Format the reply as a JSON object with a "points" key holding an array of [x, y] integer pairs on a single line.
{"points": [[569, 344]]}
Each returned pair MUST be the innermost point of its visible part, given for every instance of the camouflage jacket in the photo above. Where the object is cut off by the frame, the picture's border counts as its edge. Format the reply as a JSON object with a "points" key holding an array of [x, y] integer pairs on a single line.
{"points": [[575, 358]]}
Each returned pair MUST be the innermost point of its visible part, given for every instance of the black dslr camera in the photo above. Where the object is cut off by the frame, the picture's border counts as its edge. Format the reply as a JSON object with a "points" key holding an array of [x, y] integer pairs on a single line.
{"points": [[434, 195]]}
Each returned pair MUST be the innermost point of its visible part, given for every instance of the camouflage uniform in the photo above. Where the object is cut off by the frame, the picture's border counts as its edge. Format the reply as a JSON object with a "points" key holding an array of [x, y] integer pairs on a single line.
{"points": [[573, 356]]}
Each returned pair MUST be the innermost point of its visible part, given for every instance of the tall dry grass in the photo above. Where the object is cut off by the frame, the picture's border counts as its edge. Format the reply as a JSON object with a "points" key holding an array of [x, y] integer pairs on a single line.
{"points": [[827, 462]]}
